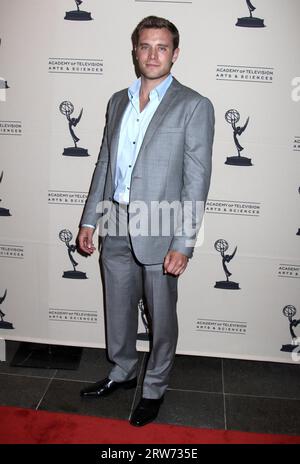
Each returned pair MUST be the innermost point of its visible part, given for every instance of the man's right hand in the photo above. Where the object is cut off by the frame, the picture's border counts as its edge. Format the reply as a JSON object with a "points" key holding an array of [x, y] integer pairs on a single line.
{"points": [[85, 240]]}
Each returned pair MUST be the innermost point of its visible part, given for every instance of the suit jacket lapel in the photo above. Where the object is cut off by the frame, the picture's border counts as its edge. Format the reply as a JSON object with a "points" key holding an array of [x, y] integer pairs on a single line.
{"points": [[153, 126], [160, 113], [118, 116]]}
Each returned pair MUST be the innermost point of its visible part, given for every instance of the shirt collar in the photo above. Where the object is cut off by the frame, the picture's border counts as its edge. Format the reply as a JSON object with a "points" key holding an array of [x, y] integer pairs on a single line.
{"points": [[159, 90]]}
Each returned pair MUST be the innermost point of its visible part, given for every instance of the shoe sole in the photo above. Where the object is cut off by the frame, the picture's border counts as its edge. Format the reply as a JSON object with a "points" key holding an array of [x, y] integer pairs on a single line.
{"points": [[144, 423]]}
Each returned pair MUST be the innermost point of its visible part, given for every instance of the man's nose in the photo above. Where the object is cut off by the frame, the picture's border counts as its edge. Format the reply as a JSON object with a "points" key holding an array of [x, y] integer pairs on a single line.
{"points": [[153, 53]]}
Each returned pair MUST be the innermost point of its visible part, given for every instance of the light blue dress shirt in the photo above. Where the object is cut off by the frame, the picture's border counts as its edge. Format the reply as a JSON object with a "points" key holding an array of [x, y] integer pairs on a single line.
{"points": [[133, 128]]}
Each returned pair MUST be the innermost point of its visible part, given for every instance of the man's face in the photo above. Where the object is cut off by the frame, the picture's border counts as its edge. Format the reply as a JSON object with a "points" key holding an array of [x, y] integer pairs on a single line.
{"points": [[154, 53]]}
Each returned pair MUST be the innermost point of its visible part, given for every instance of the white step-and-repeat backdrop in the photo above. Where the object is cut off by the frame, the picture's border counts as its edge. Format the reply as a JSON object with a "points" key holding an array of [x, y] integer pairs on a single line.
{"points": [[60, 62]]}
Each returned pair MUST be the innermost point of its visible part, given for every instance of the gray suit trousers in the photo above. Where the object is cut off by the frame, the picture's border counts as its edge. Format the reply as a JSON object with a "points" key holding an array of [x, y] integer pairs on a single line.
{"points": [[126, 280]]}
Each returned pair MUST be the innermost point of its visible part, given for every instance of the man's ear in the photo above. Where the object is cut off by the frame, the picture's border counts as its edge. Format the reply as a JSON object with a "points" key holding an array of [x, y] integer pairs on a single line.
{"points": [[175, 55]]}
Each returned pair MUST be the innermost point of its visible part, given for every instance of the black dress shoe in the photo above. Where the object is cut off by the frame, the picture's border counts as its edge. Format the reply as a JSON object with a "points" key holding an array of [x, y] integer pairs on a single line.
{"points": [[106, 387], [146, 411]]}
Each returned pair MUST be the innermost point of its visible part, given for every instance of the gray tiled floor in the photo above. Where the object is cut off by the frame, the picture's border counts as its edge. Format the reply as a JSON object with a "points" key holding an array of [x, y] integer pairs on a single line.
{"points": [[203, 392]]}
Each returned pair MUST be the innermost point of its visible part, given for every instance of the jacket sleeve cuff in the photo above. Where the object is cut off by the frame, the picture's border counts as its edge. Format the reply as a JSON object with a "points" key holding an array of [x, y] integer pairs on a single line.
{"points": [[183, 246], [88, 225]]}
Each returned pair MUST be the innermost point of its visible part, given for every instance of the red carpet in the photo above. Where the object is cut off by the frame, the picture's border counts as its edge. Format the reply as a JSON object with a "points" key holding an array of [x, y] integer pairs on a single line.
{"points": [[18, 426]]}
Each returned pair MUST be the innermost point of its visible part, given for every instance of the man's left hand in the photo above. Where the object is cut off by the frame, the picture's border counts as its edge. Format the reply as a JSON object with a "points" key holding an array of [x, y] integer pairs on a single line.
{"points": [[175, 263]]}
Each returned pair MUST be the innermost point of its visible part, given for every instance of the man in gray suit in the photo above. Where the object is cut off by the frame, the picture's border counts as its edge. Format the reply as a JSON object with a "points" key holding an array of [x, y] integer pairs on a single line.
{"points": [[155, 159]]}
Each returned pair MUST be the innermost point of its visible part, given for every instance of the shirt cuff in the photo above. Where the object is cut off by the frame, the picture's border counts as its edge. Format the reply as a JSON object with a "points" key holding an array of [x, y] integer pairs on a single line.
{"points": [[88, 225]]}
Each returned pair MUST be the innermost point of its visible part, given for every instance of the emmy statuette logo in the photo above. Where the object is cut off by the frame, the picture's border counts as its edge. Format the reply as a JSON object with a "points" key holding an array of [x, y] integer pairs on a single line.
{"points": [[66, 236], [221, 246], [67, 108], [3, 83], [147, 334], [4, 324], [232, 117], [3, 211], [298, 233], [250, 21], [289, 311], [78, 15]]}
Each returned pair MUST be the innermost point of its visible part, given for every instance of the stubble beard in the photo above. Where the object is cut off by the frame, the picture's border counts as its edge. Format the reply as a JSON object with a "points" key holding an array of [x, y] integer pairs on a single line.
{"points": [[155, 75]]}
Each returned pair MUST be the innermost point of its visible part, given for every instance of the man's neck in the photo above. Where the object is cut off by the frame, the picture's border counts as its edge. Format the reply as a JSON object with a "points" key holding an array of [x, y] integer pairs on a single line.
{"points": [[147, 85]]}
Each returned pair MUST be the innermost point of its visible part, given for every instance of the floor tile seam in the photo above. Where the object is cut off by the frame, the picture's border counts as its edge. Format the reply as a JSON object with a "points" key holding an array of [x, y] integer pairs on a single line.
{"points": [[46, 390], [65, 379], [224, 400], [283, 398], [44, 377], [233, 394], [195, 391], [13, 374]]}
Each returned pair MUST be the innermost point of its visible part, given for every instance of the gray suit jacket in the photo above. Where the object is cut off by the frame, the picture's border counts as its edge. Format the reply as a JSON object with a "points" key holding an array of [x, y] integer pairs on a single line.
{"points": [[173, 165]]}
